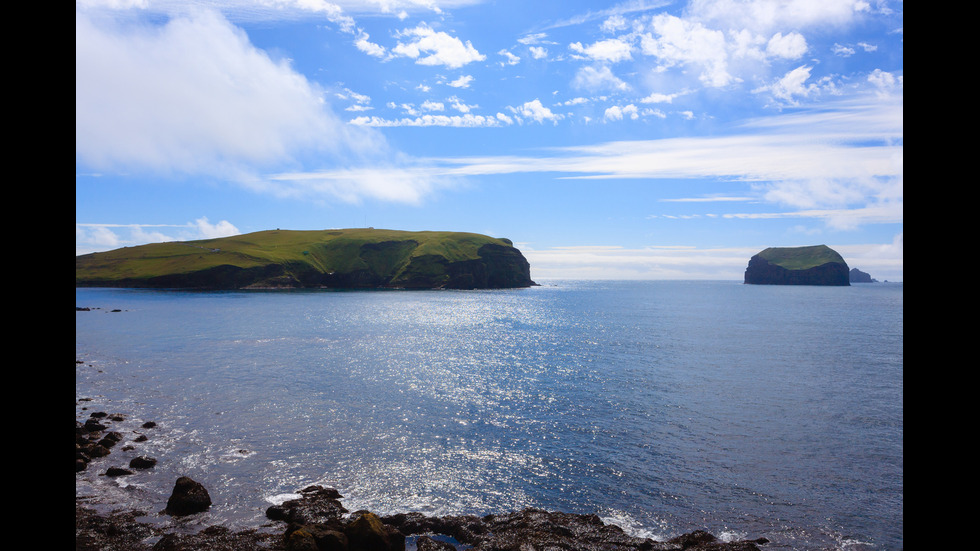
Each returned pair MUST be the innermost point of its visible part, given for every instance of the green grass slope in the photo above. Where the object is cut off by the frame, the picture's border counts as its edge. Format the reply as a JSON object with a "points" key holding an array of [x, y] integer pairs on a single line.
{"points": [[801, 258], [344, 258]]}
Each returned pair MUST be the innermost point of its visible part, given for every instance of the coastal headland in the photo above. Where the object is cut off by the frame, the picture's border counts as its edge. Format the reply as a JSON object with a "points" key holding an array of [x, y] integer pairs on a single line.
{"points": [[360, 258]]}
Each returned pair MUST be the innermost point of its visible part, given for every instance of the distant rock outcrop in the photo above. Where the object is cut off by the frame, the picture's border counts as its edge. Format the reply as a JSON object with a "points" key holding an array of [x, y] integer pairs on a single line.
{"points": [[857, 276], [814, 265]]}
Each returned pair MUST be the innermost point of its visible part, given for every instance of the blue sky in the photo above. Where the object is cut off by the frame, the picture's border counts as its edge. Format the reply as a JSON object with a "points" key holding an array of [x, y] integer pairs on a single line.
{"points": [[611, 140]]}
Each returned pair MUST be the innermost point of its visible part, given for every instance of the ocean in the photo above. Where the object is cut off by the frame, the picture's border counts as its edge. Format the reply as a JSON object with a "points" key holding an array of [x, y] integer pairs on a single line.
{"points": [[661, 406]]}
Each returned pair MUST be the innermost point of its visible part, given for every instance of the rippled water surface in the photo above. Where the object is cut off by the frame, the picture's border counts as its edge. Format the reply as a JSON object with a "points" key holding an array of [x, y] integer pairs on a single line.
{"points": [[664, 407]]}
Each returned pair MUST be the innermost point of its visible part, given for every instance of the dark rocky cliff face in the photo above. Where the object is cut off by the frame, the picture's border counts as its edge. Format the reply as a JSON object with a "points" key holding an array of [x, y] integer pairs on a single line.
{"points": [[498, 267], [761, 272]]}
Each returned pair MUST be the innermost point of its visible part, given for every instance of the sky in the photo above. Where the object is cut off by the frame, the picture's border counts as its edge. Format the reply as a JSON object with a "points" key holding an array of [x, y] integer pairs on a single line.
{"points": [[636, 139]]}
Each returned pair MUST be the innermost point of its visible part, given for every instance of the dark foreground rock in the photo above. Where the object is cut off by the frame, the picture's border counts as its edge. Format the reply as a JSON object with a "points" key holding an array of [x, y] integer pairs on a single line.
{"points": [[318, 521], [536, 529], [188, 497], [527, 530]]}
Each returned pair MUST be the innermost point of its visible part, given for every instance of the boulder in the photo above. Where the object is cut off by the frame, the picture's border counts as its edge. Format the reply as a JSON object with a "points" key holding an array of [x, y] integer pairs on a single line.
{"points": [[316, 505], [368, 533], [142, 462], [188, 497]]}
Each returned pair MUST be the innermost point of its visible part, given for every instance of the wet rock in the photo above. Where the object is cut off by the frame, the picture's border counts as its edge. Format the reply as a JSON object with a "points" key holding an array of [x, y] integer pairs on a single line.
{"points": [[142, 462], [218, 538], [117, 471], [115, 531], [93, 425], [110, 440], [538, 529], [96, 450], [317, 505], [301, 540], [188, 497], [425, 543], [368, 533]]}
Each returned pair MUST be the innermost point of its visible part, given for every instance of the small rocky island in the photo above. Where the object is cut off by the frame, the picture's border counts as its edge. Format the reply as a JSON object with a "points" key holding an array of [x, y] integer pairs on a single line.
{"points": [[362, 258], [857, 276], [813, 265]]}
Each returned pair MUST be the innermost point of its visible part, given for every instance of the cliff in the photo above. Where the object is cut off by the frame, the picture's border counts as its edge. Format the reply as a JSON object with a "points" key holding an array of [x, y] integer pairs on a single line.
{"points": [[340, 259], [815, 265], [857, 276]]}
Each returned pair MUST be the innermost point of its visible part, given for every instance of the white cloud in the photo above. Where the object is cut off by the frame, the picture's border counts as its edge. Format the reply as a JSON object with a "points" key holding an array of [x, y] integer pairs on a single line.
{"points": [[843, 162], [675, 41], [370, 48], [535, 38], [614, 23], [883, 81], [209, 231], [511, 58], [467, 120], [792, 84], [92, 237], [459, 105], [614, 262], [538, 52], [462, 82], [535, 111], [612, 50], [594, 79], [790, 46], [768, 15], [194, 96], [616, 113], [431, 47], [659, 98]]}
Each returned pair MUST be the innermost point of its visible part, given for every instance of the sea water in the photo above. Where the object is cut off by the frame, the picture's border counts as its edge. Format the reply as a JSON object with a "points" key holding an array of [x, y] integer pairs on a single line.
{"points": [[661, 406]]}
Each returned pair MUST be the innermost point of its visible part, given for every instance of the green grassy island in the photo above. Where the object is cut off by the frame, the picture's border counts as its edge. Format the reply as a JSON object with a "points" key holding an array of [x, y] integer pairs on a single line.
{"points": [[814, 265], [342, 259]]}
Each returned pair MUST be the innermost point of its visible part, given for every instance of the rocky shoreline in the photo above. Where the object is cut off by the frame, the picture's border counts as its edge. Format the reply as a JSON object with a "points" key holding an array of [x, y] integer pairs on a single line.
{"points": [[318, 521]]}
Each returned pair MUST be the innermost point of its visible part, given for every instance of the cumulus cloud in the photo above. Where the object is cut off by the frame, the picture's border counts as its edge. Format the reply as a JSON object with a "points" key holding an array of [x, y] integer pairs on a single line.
{"points": [[194, 96], [616, 113], [792, 84], [363, 44], [535, 111], [790, 46], [612, 50], [675, 41], [461, 82], [430, 47]]}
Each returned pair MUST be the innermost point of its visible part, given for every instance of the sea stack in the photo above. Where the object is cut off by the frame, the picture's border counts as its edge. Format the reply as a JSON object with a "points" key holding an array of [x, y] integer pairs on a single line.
{"points": [[813, 265]]}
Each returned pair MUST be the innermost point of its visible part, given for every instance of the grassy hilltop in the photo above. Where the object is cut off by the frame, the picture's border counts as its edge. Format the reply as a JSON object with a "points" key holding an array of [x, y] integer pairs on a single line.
{"points": [[348, 258]]}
